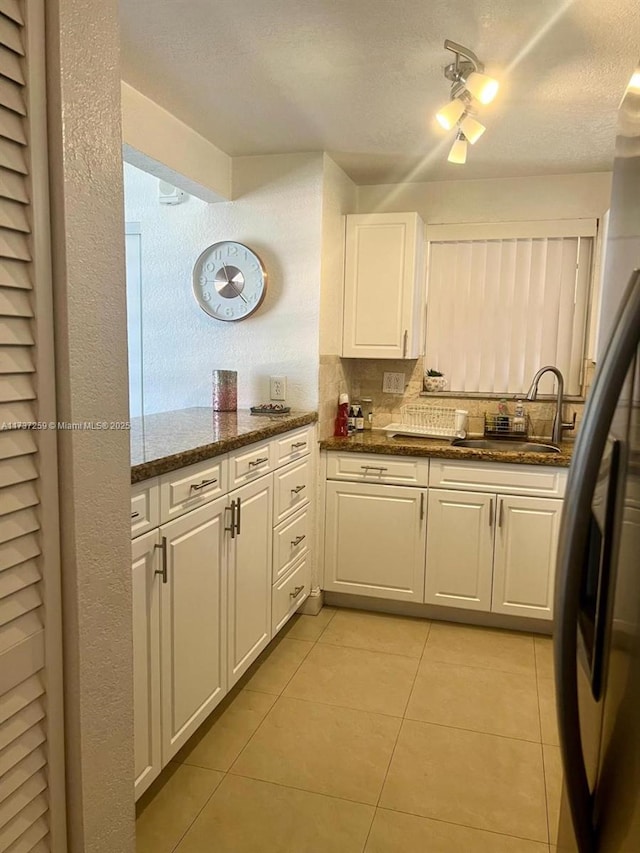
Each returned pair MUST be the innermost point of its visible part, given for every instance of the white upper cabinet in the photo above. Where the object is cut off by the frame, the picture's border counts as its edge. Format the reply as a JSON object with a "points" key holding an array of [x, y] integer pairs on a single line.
{"points": [[384, 298]]}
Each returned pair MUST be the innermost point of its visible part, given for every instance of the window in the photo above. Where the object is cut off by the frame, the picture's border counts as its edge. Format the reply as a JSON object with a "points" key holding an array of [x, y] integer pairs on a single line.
{"points": [[504, 299]]}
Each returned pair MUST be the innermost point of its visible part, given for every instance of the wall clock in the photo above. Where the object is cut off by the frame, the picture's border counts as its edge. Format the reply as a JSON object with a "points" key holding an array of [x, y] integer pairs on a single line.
{"points": [[229, 281]]}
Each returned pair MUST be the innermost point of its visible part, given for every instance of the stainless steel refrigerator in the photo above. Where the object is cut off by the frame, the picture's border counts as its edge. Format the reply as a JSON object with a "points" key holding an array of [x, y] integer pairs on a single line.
{"points": [[597, 606]]}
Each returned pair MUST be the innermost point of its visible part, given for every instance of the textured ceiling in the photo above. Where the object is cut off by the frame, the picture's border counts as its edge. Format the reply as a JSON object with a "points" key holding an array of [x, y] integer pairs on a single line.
{"points": [[361, 79]]}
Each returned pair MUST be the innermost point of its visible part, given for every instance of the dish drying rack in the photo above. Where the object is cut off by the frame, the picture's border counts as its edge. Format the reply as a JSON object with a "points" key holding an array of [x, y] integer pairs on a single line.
{"points": [[506, 426], [429, 421]]}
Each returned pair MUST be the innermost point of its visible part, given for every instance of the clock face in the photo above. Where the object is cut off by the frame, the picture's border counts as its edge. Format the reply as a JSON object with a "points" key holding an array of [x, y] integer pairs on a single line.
{"points": [[229, 281]]}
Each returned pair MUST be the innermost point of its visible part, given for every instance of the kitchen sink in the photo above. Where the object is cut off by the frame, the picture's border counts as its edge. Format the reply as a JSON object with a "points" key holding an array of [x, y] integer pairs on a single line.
{"points": [[506, 446]]}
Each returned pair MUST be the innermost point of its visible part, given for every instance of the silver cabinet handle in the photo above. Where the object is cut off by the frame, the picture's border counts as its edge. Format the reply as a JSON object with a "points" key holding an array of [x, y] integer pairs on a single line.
{"points": [[421, 505], [298, 444], [298, 540], [404, 343], [239, 516], [491, 513], [379, 468], [297, 490], [197, 486], [163, 570], [258, 461], [135, 515], [296, 592], [500, 513], [232, 528]]}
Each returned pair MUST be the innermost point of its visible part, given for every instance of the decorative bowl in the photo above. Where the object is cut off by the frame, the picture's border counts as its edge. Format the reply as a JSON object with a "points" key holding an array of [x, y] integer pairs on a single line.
{"points": [[435, 383]]}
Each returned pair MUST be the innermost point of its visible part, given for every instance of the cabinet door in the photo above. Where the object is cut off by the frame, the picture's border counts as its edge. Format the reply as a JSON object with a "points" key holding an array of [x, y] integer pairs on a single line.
{"points": [[384, 296], [249, 590], [460, 549], [193, 622], [146, 660], [525, 556], [374, 540]]}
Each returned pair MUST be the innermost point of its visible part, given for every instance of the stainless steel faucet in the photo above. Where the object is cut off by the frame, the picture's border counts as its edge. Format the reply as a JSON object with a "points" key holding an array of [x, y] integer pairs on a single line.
{"points": [[558, 424]]}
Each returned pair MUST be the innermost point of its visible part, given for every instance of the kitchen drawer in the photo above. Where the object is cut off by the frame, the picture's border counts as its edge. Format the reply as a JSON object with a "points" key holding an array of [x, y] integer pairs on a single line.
{"points": [[293, 445], [192, 487], [289, 593], [290, 542], [292, 488], [248, 463], [145, 507], [506, 478], [376, 468]]}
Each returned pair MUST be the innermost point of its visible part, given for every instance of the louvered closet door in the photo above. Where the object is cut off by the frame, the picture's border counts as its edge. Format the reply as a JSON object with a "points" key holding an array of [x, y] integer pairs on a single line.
{"points": [[30, 674]]}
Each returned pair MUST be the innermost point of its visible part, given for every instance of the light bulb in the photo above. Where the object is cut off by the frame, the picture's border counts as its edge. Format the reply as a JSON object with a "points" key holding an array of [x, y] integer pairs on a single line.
{"points": [[482, 87], [458, 153], [634, 83], [472, 129], [450, 113]]}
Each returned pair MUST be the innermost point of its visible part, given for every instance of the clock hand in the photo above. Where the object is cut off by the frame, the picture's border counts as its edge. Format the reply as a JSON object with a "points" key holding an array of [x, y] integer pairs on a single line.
{"points": [[233, 287]]}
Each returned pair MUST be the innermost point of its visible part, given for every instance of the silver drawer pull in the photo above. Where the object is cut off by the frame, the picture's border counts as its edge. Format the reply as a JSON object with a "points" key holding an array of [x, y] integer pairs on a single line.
{"points": [[259, 461], [297, 490], [379, 468], [296, 592], [298, 540], [298, 444], [197, 486], [135, 515]]}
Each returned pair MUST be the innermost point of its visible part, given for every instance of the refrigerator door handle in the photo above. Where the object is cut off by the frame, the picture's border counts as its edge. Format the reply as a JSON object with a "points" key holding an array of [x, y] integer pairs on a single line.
{"points": [[585, 466]]}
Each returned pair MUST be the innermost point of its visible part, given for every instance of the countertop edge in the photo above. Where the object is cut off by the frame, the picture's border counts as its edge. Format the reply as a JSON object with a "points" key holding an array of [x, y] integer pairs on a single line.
{"points": [[164, 465], [385, 447]]}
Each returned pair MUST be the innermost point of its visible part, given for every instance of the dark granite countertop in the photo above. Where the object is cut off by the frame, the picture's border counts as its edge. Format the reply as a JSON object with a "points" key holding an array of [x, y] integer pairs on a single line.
{"points": [[167, 441], [377, 441]]}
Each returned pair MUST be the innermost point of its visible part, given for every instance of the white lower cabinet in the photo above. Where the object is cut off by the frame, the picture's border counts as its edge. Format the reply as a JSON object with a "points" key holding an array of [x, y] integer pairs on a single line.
{"points": [[375, 540], [249, 571], [525, 555], [206, 600], [487, 548], [193, 621], [459, 565], [146, 659], [492, 552]]}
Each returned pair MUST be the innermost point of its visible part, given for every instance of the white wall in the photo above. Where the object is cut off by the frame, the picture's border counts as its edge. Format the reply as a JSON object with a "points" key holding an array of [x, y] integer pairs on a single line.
{"points": [[83, 89], [495, 200], [278, 214], [339, 197]]}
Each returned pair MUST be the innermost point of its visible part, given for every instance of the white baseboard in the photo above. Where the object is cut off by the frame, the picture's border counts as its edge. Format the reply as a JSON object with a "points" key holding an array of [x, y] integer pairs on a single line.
{"points": [[313, 603]]}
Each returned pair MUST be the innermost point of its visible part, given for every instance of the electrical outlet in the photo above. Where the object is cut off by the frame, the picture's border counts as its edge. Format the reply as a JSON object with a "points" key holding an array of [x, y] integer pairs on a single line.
{"points": [[278, 387], [393, 383]]}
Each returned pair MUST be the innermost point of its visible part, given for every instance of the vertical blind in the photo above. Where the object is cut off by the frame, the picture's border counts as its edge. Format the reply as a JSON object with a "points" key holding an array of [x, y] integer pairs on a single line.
{"points": [[498, 309], [27, 579]]}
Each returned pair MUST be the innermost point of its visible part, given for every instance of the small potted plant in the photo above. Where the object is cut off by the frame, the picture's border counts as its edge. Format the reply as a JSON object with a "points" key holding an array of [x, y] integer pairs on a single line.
{"points": [[434, 380]]}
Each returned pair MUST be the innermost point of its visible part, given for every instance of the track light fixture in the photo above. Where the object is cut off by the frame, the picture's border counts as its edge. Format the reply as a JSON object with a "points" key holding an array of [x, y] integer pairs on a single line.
{"points": [[458, 153], [469, 83]]}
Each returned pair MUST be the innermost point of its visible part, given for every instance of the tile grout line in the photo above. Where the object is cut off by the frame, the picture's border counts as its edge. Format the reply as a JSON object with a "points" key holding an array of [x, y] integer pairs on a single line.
{"points": [[226, 773], [321, 642], [544, 771], [278, 696], [463, 825], [208, 800]]}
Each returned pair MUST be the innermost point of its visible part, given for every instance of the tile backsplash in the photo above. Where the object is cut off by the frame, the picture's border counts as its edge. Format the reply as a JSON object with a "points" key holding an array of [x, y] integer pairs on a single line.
{"points": [[363, 378]]}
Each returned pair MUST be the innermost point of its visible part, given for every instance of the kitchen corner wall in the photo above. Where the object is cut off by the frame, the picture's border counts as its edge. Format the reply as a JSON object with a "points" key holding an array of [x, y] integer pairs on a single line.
{"points": [[338, 199], [277, 211]]}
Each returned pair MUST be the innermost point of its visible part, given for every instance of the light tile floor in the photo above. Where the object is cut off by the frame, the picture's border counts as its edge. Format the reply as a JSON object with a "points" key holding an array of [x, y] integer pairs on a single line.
{"points": [[358, 732]]}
